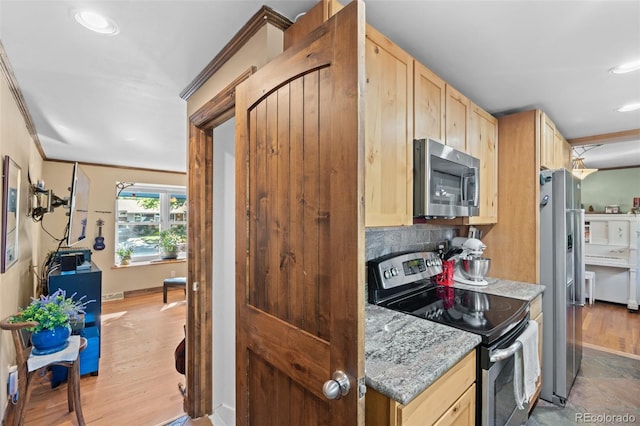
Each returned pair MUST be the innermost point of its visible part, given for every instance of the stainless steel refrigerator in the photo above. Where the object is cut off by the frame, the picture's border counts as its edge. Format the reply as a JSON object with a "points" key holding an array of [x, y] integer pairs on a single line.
{"points": [[562, 272]]}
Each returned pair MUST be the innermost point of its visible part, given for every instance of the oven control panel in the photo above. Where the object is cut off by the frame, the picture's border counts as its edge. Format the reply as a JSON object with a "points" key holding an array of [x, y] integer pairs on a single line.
{"points": [[397, 270]]}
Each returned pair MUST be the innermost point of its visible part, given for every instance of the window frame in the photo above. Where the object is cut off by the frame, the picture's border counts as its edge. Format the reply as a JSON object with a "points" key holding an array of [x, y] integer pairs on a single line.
{"points": [[165, 192]]}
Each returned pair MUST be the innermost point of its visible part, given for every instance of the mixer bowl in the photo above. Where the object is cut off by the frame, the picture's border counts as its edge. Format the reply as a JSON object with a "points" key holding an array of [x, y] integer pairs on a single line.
{"points": [[475, 269]]}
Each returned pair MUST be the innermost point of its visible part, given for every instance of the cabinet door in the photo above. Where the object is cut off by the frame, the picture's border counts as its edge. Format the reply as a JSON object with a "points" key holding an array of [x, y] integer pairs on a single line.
{"points": [[567, 151], [547, 142], [457, 108], [389, 133], [619, 233], [598, 232], [429, 104], [558, 152], [463, 412], [483, 143]]}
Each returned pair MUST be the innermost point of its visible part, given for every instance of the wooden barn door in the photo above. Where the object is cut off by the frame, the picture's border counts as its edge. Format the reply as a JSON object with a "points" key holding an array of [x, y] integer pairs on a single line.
{"points": [[300, 231]]}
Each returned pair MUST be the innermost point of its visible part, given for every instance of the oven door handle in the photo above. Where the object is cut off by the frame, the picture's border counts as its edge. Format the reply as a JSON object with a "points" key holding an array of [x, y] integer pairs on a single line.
{"points": [[503, 354]]}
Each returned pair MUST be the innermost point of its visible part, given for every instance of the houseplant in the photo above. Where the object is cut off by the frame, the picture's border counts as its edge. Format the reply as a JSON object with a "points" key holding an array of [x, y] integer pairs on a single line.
{"points": [[125, 254], [51, 315], [169, 243]]}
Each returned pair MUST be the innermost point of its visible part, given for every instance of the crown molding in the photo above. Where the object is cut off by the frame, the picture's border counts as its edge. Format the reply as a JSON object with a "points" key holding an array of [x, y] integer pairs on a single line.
{"points": [[7, 72], [624, 136], [265, 15]]}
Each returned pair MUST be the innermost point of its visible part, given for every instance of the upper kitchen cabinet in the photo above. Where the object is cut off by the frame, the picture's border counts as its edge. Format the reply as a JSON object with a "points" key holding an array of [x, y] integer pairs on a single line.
{"points": [[429, 104], [388, 132], [547, 142], [518, 229], [566, 154], [457, 111], [312, 19], [483, 144], [555, 151]]}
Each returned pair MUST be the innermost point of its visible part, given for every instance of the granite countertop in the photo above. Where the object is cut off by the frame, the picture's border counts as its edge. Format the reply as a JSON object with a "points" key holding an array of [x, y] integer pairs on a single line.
{"points": [[405, 354], [507, 288]]}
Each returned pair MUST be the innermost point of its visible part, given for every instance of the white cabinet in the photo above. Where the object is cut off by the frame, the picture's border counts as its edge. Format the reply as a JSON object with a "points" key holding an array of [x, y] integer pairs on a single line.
{"points": [[611, 253]]}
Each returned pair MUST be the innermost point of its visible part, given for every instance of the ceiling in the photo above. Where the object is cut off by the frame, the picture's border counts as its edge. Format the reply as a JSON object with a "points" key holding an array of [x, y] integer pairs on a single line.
{"points": [[114, 100]]}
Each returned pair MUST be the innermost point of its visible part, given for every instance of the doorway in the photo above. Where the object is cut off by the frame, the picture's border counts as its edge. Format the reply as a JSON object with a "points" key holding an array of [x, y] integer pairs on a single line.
{"points": [[223, 291]]}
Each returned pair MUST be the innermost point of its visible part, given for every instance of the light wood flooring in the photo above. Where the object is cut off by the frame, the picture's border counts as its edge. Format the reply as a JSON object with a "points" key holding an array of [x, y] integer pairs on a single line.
{"points": [[138, 384], [611, 326]]}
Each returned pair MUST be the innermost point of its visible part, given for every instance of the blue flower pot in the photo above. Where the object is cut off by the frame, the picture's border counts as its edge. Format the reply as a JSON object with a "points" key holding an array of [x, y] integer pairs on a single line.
{"points": [[50, 341]]}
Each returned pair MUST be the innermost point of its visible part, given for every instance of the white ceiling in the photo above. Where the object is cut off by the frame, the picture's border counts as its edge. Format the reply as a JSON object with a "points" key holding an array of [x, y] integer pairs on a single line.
{"points": [[115, 100]]}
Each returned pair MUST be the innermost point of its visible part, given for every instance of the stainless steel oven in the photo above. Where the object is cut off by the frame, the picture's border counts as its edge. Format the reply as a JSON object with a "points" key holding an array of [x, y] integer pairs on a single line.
{"points": [[496, 381], [402, 283]]}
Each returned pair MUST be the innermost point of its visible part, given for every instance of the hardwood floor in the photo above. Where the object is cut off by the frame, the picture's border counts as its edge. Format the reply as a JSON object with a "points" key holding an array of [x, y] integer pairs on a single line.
{"points": [[137, 382], [611, 326]]}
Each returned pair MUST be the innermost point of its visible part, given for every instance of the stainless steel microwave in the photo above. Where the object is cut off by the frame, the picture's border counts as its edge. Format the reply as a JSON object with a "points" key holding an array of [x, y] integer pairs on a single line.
{"points": [[446, 182]]}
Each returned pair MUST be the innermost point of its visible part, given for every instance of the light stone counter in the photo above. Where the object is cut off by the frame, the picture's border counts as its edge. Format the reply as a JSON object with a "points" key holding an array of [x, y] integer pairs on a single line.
{"points": [[405, 354], [506, 288]]}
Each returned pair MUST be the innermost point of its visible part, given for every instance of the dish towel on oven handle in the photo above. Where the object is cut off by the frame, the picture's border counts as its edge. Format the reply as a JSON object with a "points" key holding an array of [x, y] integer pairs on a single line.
{"points": [[526, 367]]}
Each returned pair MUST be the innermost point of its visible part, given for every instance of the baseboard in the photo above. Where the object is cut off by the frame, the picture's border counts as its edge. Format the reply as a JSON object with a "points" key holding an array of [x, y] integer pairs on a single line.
{"points": [[611, 351], [223, 415], [113, 296]]}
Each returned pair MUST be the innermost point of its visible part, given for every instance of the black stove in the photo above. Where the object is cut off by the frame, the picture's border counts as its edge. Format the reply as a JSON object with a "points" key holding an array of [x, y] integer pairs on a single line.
{"points": [[487, 315], [402, 282]]}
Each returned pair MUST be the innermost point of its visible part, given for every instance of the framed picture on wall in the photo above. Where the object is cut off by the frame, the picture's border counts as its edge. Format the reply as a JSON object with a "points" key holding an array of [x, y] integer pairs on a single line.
{"points": [[10, 213]]}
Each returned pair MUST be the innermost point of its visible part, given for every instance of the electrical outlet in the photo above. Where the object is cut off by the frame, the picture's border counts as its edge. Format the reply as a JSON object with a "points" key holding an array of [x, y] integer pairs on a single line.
{"points": [[173, 274], [12, 388]]}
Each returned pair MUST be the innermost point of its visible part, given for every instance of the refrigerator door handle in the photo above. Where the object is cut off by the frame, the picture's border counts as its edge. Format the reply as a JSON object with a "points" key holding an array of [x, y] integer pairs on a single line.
{"points": [[578, 222]]}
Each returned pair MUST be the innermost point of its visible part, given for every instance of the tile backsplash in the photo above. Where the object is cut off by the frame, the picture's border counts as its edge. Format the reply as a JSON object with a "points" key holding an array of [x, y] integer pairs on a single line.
{"points": [[381, 241]]}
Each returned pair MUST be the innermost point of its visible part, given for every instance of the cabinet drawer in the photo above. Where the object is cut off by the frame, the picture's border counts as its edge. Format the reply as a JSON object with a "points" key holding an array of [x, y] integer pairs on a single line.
{"points": [[431, 404], [462, 412], [536, 307]]}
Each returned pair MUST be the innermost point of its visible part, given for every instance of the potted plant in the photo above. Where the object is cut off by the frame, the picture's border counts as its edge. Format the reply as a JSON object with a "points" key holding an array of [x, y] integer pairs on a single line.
{"points": [[125, 254], [169, 243], [51, 317]]}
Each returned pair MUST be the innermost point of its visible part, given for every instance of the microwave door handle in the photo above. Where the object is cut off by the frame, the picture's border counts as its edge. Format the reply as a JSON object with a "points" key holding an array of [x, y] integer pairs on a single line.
{"points": [[476, 192], [471, 177]]}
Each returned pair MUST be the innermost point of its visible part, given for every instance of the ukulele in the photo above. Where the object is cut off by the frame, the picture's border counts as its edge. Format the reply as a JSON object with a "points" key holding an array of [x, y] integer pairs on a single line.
{"points": [[99, 242]]}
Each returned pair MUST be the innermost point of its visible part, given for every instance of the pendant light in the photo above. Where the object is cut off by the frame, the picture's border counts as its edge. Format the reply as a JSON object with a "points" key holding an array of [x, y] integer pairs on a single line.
{"points": [[578, 168]]}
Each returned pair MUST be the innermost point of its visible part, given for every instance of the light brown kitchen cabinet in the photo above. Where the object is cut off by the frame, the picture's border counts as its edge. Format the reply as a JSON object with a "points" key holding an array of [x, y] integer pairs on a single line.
{"points": [[429, 104], [389, 132], [567, 152], [457, 111], [547, 142], [483, 144], [450, 400], [536, 315], [312, 19]]}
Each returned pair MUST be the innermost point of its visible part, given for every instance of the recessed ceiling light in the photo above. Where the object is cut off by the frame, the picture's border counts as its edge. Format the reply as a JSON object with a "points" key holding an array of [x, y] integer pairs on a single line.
{"points": [[629, 107], [96, 22], [625, 68]]}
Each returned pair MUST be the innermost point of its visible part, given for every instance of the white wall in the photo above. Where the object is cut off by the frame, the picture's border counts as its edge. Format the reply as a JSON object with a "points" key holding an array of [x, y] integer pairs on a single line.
{"points": [[607, 187], [223, 294]]}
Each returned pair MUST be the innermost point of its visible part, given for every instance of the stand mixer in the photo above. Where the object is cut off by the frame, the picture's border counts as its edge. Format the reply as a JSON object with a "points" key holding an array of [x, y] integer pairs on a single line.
{"points": [[471, 267]]}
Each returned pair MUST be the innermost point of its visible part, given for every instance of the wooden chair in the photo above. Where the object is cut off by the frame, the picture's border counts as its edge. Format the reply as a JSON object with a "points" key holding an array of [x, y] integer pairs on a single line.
{"points": [[29, 365]]}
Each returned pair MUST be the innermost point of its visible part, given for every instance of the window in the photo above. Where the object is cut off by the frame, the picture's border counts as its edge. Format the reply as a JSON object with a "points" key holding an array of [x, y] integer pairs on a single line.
{"points": [[143, 211]]}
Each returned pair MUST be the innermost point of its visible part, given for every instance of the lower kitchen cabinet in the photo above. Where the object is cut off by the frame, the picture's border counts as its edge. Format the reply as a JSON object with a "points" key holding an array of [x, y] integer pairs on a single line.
{"points": [[536, 315], [450, 400]]}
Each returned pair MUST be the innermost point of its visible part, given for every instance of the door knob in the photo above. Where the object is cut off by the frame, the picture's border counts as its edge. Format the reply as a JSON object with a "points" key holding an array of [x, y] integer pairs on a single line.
{"points": [[337, 387]]}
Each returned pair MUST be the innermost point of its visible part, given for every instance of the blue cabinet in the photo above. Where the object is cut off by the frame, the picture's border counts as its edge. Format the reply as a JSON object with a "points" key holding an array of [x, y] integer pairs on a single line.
{"points": [[86, 283]]}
